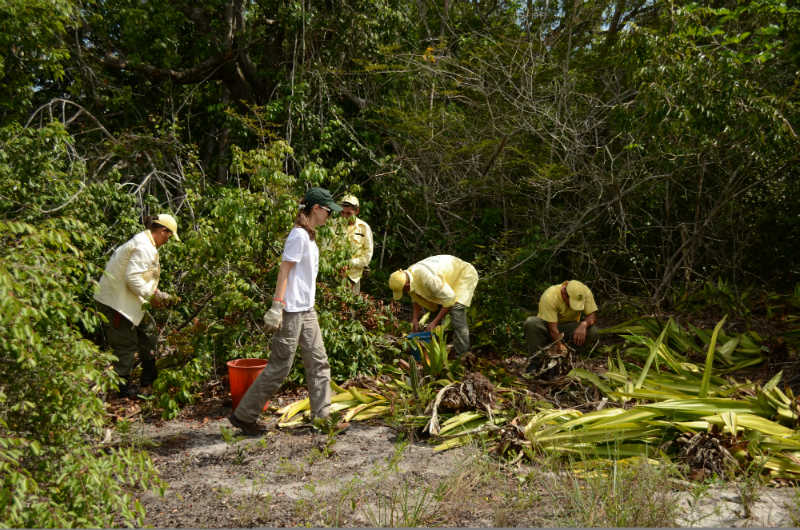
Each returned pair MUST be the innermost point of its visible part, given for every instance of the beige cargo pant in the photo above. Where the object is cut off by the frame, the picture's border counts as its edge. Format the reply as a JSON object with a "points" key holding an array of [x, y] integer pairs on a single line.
{"points": [[302, 328]]}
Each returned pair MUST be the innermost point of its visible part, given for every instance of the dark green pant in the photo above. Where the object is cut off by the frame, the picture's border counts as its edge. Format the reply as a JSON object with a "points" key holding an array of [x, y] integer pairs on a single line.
{"points": [[125, 340], [354, 287], [458, 317], [537, 336]]}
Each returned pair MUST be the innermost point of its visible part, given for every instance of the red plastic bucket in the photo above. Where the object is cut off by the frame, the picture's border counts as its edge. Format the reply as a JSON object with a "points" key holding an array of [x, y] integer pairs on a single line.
{"points": [[242, 373]]}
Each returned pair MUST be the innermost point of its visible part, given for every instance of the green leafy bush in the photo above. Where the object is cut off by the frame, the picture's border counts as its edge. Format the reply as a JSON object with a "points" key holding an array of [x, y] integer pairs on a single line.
{"points": [[52, 472]]}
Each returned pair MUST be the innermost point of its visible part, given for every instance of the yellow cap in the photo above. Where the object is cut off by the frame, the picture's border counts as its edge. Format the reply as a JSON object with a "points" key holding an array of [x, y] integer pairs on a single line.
{"points": [[349, 199], [397, 281], [167, 221], [577, 293]]}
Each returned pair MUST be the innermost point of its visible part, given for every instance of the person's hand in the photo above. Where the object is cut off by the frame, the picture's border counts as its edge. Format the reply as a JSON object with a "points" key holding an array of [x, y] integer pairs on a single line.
{"points": [[579, 336], [415, 325], [171, 300], [160, 299], [430, 327], [274, 317]]}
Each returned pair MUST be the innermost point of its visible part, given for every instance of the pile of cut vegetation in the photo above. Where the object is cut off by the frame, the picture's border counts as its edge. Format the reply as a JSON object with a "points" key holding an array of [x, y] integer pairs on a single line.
{"points": [[669, 409]]}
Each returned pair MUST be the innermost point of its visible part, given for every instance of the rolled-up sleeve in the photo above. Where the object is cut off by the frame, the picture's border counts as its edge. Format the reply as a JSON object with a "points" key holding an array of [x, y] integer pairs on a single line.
{"points": [[138, 272]]}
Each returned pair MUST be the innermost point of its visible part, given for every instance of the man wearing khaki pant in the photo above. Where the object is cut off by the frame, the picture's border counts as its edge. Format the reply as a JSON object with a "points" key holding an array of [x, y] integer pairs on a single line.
{"points": [[444, 283]]}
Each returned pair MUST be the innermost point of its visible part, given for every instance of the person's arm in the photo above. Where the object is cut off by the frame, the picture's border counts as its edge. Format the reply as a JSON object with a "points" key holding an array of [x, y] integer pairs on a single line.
{"points": [[415, 317], [552, 328], [579, 337], [274, 317], [283, 280], [435, 322]]}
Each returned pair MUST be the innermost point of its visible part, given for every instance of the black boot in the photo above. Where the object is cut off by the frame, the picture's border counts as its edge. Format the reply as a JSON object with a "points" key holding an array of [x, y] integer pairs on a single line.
{"points": [[127, 390], [149, 372], [534, 364], [543, 367]]}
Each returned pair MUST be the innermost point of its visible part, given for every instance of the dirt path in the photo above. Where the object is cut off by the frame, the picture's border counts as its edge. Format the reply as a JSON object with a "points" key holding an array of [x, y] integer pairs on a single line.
{"points": [[286, 478], [371, 476]]}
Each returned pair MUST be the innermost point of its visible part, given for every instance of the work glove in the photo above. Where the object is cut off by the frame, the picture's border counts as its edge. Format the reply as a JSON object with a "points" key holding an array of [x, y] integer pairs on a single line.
{"points": [[273, 317]]}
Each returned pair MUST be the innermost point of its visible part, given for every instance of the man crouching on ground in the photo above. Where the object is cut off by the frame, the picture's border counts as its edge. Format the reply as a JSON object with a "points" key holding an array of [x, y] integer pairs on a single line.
{"points": [[559, 319]]}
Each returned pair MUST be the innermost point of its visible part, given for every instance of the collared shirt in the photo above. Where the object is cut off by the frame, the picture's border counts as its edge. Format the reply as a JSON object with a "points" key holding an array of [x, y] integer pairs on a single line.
{"points": [[359, 235], [130, 277], [553, 308], [442, 281]]}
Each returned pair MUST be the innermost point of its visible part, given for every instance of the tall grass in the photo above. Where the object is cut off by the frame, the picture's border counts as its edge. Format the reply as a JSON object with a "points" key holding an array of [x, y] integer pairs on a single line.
{"points": [[637, 495]]}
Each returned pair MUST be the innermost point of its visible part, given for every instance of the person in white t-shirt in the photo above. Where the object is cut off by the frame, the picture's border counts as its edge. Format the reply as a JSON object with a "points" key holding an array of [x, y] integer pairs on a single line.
{"points": [[293, 318]]}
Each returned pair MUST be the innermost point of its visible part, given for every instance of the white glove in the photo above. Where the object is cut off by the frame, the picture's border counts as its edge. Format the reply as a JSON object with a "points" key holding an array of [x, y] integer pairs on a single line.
{"points": [[160, 299], [273, 317]]}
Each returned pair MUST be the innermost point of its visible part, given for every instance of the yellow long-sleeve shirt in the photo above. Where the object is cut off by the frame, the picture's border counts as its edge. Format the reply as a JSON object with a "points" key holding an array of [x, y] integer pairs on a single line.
{"points": [[442, 281], [359, 234]]}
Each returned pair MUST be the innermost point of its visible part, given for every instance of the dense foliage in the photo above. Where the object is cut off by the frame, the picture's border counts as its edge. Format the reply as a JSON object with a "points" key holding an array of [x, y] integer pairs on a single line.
{"points": [[52, 415], [644, 147]]}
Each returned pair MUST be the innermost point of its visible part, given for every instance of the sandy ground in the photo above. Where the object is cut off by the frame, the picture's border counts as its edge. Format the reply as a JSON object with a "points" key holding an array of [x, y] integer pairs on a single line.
{"points": [[370, 475], [286, 478]]}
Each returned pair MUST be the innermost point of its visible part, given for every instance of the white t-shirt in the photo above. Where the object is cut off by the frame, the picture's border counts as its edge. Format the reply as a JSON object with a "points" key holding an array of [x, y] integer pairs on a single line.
{"points": [[302, 285]]}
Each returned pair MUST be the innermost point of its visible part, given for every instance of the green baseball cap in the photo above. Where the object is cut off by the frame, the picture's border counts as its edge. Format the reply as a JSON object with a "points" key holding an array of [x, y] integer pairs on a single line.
{"points": [[322, 197]]}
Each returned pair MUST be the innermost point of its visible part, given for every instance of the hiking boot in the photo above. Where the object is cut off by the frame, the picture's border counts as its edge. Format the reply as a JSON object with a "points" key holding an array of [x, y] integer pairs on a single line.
{"points": [[249, 428], [149, 372], [342, 426], [127, 390], [533, 366]]}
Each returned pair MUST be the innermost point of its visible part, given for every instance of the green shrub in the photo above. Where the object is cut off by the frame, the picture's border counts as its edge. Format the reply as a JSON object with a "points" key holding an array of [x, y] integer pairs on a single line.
{"points": [[52, 472]]}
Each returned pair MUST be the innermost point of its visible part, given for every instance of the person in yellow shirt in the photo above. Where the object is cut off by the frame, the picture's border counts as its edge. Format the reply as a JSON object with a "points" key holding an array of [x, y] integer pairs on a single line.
{"points": [[443, 282], [560, 309], [359, 235]]}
